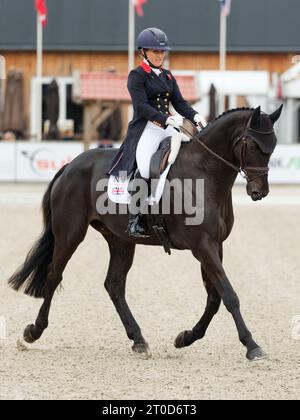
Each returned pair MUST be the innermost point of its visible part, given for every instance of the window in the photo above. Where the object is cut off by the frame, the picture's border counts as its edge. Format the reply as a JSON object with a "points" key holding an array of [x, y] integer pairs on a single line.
{"points": [[69, 111], [75, 113]]}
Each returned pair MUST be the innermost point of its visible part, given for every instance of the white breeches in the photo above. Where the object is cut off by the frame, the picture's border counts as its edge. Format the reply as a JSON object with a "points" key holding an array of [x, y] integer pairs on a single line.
{"points": [[148, 144]]}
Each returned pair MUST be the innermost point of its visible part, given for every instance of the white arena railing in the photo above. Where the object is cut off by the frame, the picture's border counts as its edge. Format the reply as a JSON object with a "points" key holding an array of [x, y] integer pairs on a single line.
{"points": [[25, 161]]}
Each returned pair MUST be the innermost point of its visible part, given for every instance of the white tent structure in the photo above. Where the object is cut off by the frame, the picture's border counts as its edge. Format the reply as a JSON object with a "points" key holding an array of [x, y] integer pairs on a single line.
{"points": [[253, 85], [290, 81]]}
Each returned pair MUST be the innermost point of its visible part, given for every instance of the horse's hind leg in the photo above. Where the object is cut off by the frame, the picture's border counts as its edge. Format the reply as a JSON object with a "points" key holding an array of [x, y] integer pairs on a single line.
{"points": [[68, 236], [121, 257]]}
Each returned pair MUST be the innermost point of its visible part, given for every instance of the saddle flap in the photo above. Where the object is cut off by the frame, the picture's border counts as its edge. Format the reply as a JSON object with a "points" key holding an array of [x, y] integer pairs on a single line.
{"points": [[159, 159]]}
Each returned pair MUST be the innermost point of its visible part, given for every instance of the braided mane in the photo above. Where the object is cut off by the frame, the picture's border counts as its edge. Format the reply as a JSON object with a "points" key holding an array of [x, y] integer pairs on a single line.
{"points": [[230, 111]]}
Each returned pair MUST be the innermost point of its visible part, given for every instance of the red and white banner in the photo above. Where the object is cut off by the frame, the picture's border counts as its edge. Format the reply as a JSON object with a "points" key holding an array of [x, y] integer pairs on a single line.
{"points": [[139, 8], [41, 8]]}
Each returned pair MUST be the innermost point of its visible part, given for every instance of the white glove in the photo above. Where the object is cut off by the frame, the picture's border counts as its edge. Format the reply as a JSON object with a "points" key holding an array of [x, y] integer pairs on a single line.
{"points": [[200, 120], [175, 121]]}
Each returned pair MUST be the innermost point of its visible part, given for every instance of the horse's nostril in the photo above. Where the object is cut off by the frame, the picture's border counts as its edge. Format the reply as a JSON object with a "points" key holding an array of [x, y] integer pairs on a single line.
{"points": [[255, 195]]}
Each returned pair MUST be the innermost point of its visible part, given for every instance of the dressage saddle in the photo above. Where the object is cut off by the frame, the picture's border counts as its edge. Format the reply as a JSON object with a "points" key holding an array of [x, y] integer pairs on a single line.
{"points": [[158, 164]]}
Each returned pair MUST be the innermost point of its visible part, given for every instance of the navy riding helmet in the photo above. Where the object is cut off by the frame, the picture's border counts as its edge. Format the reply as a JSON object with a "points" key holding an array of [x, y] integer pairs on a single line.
{"points": [[153, 39]]}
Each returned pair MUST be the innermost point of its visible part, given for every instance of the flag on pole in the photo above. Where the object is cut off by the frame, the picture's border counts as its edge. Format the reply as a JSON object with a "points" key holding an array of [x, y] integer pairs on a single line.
{"points": [[139, 8], [225, 6], [42, 10]]}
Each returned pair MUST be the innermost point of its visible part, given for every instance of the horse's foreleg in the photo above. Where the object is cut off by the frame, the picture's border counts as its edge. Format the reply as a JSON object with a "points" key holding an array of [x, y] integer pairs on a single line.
{"points": [[208, 254], [186, 338], [121, 258], [209, 257]]}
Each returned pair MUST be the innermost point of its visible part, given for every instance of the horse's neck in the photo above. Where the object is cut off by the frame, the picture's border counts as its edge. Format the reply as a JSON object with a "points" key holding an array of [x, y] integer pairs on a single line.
{"points": [[219, 138], [221, 135]]}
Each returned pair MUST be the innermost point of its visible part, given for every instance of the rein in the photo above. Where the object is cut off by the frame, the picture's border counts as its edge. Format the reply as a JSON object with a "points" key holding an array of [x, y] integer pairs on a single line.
{"points": [[242, 169]]}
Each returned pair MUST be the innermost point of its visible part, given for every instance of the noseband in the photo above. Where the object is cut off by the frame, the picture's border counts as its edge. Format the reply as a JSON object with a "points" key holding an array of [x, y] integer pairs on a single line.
{"points": [[242, 169]]}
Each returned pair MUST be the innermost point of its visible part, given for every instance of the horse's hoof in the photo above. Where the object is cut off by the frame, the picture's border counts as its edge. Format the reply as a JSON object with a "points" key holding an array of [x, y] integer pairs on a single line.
{"points": [[256, 354], [180, 340], [142, 348], [27, 334], [22, 345]]}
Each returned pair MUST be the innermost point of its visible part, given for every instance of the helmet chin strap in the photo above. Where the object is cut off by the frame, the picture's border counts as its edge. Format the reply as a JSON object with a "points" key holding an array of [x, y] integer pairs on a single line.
{"points": [[144, 53]]}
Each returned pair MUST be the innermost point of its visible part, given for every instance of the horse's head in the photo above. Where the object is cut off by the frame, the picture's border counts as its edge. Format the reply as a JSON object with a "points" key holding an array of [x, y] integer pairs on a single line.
{"points": [[253, 149]]}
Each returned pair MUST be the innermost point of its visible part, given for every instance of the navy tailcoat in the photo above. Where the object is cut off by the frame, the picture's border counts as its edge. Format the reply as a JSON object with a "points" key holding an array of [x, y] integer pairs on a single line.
{"points": [[151, 95]]}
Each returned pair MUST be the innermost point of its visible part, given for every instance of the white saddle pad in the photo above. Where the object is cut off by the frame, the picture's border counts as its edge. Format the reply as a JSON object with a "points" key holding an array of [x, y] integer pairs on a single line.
{"points": [[118, 189]]}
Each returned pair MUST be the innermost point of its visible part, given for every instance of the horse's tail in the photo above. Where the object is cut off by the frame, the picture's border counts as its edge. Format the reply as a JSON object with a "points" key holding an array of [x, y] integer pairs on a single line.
{"points": [[33, 273]]}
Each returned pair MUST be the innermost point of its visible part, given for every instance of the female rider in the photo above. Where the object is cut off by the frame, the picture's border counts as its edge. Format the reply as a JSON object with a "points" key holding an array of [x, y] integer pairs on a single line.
{"points": [[152, 88]]}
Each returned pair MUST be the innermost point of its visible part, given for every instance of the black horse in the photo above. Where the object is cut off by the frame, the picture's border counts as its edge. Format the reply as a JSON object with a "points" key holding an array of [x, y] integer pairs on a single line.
{"points": [[240, 139]]}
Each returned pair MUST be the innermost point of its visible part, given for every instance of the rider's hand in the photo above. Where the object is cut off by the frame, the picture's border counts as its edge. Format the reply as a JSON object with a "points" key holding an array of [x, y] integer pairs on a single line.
{"points": [[199, 120], [175, 121]]}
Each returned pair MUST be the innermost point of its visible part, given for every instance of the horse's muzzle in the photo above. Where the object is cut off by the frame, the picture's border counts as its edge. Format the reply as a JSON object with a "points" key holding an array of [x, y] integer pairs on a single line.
{"points": [[257, 195]]}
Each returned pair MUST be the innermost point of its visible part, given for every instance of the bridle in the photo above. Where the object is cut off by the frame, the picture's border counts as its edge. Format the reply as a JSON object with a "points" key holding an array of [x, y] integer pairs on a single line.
{"points": [[242, 169]]}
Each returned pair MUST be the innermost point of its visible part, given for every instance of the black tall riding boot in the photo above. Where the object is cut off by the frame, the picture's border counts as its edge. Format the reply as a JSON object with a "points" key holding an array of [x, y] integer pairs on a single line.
{"points": [[134, 226]]}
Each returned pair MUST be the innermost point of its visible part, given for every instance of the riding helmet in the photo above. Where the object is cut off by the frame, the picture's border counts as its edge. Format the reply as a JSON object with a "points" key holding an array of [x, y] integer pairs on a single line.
{"points": [[153, 39]]}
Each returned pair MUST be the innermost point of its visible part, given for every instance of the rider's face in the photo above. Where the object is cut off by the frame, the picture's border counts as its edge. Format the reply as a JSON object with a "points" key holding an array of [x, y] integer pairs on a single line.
{"points": [[156, 57]]}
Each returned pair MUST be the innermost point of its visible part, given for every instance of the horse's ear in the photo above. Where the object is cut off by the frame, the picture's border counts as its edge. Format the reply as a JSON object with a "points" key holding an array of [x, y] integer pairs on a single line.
{"points": [[276, 114], [255, 118]]}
